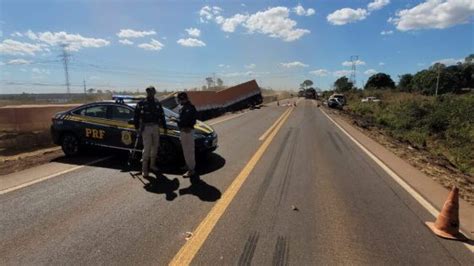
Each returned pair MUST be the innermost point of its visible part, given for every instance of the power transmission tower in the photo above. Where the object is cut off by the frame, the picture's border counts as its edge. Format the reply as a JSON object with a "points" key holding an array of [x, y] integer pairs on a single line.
{"points": [[354, 59], [65, 58]]}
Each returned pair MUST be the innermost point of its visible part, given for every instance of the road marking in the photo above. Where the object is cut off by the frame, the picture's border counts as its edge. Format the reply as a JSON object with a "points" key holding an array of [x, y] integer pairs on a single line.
{"points": [[51, 176], [270, 129], [426, 204], [186, 254], [225, 119]]}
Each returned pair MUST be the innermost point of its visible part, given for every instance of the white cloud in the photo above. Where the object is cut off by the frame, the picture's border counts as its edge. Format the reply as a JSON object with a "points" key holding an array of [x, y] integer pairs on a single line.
{"points": [[126, 42], [40, 71], [193, 32], [16, 34], [320, 72], [386, 32], [377, 4], [371, 72], [251, 66], [191, 42], [18, 62], [12, 47], [381, 64], [223, 65], [300, 11], [434, 14], [74, 42], [237, 74], [129, 33], [275, 23], [341, 73], [357, 62], [347, 15], [229, 24], [153, 45], [208, 13], [293, 64], [448, 61], [31, 35]]}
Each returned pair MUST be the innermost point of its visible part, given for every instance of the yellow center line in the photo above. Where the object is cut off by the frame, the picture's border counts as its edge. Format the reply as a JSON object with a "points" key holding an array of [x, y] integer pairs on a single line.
{"points": [[270, 129], [186, 254]]}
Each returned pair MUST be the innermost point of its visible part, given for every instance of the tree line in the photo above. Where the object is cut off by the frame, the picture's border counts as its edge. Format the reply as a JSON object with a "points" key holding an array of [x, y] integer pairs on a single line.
{"points": [[438, 78]]}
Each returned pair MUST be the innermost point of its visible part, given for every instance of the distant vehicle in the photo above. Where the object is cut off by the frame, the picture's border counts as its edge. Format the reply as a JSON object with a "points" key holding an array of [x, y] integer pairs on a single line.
{"points": [[109, 124], [310, 93], [370, 99], [334, 103], [340, 98]]}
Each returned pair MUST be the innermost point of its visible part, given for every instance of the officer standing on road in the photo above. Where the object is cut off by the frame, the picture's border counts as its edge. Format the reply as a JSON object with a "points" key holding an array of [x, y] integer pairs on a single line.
{"points": [[187, 120], [149, 116]]}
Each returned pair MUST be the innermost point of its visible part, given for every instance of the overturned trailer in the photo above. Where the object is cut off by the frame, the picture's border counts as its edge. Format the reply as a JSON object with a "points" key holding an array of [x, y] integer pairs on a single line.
{"points": [[214, 103]]}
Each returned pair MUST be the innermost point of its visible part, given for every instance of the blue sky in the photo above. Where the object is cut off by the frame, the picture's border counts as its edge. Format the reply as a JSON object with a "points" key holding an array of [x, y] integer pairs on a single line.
{"points": [[177, 44]]}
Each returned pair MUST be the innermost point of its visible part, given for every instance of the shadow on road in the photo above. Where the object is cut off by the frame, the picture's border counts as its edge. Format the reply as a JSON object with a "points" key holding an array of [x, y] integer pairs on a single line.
{"points": [[119, 161], [162, 185], [201, 189]]}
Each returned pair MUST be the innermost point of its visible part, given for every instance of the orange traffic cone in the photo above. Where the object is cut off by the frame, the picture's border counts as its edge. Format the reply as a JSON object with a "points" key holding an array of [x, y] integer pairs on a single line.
{"points": [[447, 223]]}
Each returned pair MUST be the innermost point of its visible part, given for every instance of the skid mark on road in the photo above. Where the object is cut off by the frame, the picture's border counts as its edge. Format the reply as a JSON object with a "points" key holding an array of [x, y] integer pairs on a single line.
{"points": [[333, 140], [249, 249], [269, 176], [282, 252]]}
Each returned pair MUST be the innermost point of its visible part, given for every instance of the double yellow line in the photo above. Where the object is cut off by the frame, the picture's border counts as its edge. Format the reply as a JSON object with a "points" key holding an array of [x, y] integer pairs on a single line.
{"points": [[270, 129], [186, 254]]}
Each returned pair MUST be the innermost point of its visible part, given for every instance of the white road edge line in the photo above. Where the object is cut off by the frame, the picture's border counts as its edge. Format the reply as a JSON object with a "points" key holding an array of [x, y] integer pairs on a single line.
{"points": [[51, 176], [426, 204]]}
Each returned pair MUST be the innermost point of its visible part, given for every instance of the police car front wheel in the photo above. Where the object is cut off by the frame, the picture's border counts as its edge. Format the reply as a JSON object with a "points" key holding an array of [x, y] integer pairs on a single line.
{"points": [[70, 145]]}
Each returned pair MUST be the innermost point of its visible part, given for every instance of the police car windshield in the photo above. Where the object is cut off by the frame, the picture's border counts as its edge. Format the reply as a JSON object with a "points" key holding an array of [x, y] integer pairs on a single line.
{"points": [[169, 113]]}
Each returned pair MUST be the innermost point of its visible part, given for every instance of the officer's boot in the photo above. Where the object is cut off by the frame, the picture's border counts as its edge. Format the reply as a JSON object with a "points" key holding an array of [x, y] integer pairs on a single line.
{"points": [[145, 168], [153, 167]]}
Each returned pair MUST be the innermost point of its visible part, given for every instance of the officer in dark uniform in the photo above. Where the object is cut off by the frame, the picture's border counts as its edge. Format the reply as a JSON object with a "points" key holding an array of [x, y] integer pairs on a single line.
{"points": [[149, 117], [187, 120]]}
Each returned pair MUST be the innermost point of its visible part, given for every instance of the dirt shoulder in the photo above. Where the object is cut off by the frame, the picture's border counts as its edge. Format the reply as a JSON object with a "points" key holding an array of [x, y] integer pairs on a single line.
{"points": [[15, 163], [437, 168]]}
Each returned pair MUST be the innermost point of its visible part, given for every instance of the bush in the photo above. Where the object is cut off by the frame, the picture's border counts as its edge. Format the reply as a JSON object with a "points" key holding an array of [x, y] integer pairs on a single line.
{"points": [[446, 123]]}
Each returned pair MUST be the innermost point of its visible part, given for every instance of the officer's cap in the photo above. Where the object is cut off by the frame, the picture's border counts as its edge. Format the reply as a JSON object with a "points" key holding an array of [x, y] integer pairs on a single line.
{"points": [[150, 89], [182, 96]]}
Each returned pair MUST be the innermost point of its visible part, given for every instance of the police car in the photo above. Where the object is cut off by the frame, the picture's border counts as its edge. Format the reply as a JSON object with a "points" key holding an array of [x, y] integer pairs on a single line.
{"points": [[109, 124]]}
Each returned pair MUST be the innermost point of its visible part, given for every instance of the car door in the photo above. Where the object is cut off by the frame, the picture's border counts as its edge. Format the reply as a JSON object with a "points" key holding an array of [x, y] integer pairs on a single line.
{"points": [[91, 124], [123, 134]]}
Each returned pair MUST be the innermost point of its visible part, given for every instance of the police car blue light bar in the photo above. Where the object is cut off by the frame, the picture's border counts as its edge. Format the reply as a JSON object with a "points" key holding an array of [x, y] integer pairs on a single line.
{"points": [[123, 98]]}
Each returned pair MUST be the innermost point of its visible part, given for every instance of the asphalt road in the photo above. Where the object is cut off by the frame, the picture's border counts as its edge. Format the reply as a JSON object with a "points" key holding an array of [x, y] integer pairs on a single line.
{"points": [[312, 197]]}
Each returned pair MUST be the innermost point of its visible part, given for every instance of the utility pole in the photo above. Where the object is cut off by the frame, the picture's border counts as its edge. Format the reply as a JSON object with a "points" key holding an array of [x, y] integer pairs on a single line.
{"points": [[354, 59], [65, 58], [437, 79], [84, 82]]}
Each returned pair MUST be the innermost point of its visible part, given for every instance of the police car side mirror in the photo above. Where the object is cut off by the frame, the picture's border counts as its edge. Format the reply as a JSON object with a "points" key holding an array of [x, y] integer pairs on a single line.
{"points": [[131, 122]]}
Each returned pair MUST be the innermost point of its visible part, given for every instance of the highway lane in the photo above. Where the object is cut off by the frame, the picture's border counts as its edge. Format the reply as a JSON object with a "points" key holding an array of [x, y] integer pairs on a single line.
{"points": [[312, 198]]}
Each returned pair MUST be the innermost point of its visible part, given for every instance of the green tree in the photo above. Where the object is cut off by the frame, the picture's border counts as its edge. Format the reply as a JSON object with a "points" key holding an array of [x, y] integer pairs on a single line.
{"points": [[343, 84], [405, 82], [307, 83], [380, 81]]}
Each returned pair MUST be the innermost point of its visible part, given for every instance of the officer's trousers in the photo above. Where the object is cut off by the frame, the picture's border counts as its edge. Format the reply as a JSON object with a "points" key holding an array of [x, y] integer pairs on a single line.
{"points": [[187, 143], [151, 142]]}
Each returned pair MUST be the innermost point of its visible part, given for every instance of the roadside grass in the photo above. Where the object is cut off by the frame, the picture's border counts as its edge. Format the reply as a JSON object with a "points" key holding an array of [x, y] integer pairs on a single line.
{"points": [[442, 125]]}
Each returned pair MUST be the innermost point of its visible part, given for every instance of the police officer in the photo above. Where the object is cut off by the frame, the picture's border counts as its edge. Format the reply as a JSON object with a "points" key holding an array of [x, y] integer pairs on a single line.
{"points": [[149, 116], [187, 120]]}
